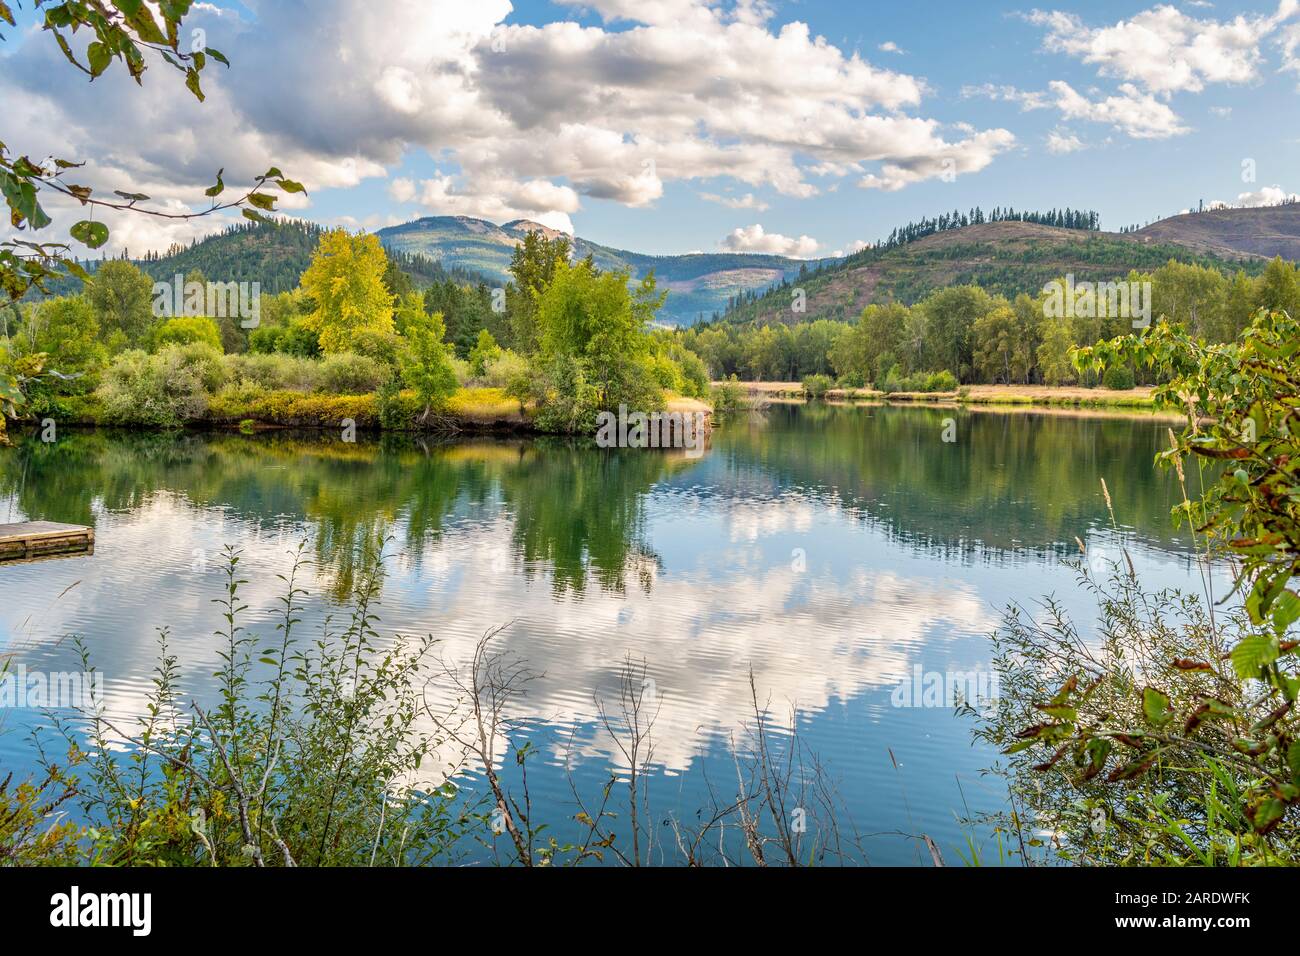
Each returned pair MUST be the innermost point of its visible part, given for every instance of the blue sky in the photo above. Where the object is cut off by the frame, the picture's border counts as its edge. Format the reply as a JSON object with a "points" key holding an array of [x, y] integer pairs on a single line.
{"points": [[670, 126]]}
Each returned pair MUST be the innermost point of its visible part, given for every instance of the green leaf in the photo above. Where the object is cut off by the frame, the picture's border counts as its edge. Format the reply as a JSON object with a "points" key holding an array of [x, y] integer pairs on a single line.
{"points": [[192, 84], [93, 234], [262, 201], [100, 56], [1155, 707], [1286, 610], [1253, 654], [1267, 814], [218, 189], [256, 216], [290, 186]]}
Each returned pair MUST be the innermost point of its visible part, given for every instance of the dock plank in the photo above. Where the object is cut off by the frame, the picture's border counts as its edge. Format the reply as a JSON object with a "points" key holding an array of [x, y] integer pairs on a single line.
{"points": [[29, 539]]}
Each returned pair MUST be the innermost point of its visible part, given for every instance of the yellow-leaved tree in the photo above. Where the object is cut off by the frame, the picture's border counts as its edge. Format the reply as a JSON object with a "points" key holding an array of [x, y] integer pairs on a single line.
{"points": [[346, 280]]}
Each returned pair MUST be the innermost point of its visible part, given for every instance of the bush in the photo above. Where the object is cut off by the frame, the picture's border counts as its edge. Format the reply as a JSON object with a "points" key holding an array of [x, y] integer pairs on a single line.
{"points": [[396, 409], [275, 372], [1137, 748], [292, 338], [500, 371], [185, 331], [1118, 377], [294, 409], [816, 386], [728, 397], [384, 347], [165, 390], [943, 381], [347, 373]]}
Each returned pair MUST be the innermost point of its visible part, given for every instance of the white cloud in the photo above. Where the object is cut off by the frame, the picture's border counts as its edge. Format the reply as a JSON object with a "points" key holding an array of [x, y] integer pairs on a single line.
{"points": [[1061, 142], [1164, 50], [755, 239], [519, 119], [1266, 196], [942, 160], [857, 245], [889, 46], [1026, 99], [1140, 115], [747, 201]]}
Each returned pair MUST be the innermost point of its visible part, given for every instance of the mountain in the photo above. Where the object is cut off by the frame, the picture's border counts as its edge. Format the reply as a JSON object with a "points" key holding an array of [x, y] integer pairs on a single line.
{"points": [[1268, 231], [273, 254], [1003, 257], [698, 284]]}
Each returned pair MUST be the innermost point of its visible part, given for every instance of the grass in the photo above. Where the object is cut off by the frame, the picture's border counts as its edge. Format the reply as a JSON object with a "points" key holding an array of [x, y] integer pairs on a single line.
{"points": [[484, 405]]}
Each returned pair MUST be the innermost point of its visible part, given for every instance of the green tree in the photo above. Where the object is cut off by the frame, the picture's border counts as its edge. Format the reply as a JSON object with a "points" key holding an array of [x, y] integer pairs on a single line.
{"points": [[593, 317], [122, 297], [426, 362], [1001, 352], [184, 330], [952, 314], [532, 266], [1054, 354], [68, 331], [346, 281], [1277, 289], [484, 352]]}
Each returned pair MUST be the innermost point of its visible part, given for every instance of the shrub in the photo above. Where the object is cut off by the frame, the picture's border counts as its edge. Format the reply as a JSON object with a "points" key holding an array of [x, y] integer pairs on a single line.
{"points": [[943, 381], [384, 347], [728, 397], [165, 390], [292, 338], [484, 352], [1118, 377], [275, 372], [816, 386], [396, 409], [499, 372], [186, 330], [295, 409], [347, 373]]}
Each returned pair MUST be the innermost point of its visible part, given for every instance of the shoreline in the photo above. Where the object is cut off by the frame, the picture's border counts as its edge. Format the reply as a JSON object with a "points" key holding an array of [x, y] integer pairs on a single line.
{"points": [[1070, 398]]}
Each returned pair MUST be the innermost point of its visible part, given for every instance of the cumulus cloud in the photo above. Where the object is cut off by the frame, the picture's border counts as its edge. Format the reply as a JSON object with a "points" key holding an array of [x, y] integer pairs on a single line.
{"points": [[1164, 50], [518, 119], [1140, 115], [1060, 142], [1265, 196], [756, 239]]}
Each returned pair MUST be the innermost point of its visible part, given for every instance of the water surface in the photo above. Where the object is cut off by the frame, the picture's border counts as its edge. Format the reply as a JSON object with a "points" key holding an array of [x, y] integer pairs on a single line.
{"points": [[829, 550]]}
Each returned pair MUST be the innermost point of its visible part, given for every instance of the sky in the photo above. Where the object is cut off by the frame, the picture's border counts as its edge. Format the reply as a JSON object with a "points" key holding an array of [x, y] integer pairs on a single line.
{"points": [[670, 126]]}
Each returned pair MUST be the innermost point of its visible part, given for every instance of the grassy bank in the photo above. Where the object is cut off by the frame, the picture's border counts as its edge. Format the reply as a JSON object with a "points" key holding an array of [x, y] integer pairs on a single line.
{"points": [[1034, 395], [471, 409]]}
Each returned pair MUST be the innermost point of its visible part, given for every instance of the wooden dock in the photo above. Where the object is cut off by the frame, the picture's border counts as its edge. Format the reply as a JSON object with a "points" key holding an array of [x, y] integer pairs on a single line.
{"points": [[31, 540]]}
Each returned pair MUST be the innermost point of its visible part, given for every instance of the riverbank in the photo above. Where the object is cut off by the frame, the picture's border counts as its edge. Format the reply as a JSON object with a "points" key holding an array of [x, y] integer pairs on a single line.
{"points": [[468, 410], [1034, 395]]}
